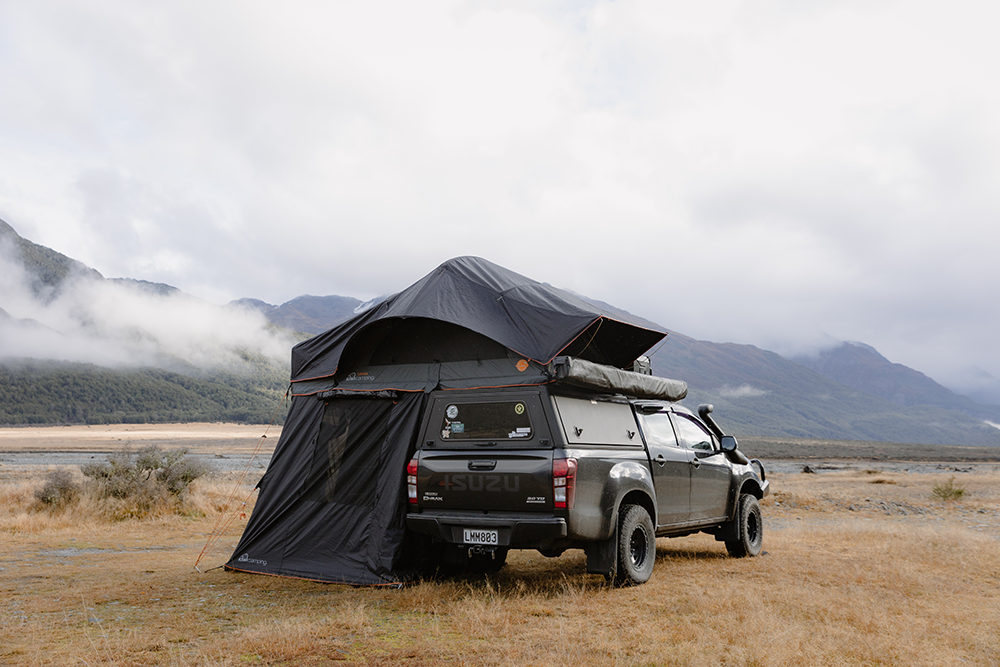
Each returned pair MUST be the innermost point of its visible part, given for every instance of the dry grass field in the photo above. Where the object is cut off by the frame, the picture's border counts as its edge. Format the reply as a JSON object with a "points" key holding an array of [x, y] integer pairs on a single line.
{"points": [[861, 568]]}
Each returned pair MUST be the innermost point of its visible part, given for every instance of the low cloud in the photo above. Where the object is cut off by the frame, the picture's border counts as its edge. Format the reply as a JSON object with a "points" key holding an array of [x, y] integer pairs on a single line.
{"points": [[742, 391], [129, 324]]}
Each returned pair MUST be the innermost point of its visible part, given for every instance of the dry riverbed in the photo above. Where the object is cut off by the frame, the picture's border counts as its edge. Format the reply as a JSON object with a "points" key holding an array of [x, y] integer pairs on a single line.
{"points": [[863, 566], [223, 447]]}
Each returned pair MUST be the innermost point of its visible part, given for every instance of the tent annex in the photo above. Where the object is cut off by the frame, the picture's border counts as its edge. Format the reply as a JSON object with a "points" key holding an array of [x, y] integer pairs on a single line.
{"points": [[332, 505]]}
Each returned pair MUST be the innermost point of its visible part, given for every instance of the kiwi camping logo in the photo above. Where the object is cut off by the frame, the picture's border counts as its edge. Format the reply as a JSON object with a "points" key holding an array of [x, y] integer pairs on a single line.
{"points": [[359, 377], [245, 558]]}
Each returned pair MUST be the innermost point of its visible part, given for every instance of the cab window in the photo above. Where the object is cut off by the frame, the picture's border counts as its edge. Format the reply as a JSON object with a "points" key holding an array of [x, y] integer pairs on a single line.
{"points": [[693, 435]]}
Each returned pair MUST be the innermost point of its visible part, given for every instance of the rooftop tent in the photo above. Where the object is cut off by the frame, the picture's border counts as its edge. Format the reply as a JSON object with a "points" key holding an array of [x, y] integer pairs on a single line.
{"points": [[332, 502], [531, 319]]}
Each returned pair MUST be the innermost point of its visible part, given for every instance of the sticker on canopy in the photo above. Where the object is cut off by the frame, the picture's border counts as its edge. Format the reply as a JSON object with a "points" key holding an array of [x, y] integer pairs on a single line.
{"points": [[457, 427], [522, 365], [519, 408], [452, 411]]}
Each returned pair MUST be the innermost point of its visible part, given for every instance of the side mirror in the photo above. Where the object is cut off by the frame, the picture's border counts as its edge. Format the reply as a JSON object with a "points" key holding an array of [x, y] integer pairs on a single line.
{"points": [[729, 446]]}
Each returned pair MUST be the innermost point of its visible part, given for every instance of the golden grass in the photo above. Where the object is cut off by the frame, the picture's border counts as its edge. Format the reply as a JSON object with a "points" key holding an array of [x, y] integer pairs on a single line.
{"points": [[856, 573]]}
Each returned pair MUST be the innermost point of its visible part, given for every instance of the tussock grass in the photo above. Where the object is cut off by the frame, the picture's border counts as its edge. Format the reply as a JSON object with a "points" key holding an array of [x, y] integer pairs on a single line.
{"points": [[22, 512], [948, 490], [917, 585]]}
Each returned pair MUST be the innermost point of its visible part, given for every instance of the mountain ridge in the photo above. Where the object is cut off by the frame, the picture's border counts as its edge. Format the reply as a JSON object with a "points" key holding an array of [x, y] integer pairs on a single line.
{"points": [[756, 391], [48, 269], [759, 392], [862, 367]]}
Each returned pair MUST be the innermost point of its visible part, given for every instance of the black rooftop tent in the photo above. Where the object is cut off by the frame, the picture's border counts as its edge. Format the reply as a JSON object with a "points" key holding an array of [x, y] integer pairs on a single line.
{"points": [[332, 503]]}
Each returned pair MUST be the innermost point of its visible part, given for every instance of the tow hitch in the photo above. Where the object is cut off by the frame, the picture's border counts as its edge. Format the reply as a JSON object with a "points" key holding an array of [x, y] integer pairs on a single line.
{"points": [[482, 550]]}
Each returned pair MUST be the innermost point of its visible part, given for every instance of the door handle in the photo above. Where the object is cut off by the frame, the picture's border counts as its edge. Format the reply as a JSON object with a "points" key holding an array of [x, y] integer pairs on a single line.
{"points": [[696, 463], [660, 461]]}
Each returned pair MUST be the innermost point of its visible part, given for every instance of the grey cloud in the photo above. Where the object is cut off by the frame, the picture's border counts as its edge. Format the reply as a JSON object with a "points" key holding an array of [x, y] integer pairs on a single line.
{"points": [[721, 173]]}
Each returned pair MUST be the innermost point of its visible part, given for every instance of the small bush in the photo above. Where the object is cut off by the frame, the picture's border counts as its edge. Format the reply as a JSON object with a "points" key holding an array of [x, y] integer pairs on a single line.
{"points": [[137, 484], [949, 490], [60, 489]]}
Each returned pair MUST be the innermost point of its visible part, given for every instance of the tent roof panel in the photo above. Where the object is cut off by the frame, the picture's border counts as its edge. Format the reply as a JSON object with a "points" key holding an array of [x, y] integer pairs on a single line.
{"points": [[530, 318]]}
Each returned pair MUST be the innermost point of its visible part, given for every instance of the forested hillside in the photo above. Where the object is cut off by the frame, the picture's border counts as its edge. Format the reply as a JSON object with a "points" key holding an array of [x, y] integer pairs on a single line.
{"points": [[50, 392]]}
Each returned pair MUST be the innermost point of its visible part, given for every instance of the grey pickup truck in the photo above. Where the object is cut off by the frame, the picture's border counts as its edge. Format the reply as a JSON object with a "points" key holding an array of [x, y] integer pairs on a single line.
{"points": [[553, 468]]}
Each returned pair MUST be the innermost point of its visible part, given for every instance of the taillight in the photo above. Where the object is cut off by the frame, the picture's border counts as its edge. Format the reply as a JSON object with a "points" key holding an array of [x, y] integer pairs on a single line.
{"points": [[411, 480], [563, 483]]}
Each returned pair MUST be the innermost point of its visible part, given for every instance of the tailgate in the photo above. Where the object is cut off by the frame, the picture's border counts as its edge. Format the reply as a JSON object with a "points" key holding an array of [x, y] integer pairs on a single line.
{"points": [[515, 481]]}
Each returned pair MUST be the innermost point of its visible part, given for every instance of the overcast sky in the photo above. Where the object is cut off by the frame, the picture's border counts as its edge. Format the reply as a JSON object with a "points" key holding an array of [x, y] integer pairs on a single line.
{"points": [[777, 173]]}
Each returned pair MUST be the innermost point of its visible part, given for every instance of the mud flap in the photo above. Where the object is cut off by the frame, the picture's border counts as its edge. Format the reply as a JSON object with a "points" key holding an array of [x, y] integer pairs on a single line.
{"points": [[602, 557], [727, 532]]}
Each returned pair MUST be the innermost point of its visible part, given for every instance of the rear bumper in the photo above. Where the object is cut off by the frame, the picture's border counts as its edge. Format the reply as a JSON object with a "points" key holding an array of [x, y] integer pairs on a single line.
{"points": [[516, 531]]}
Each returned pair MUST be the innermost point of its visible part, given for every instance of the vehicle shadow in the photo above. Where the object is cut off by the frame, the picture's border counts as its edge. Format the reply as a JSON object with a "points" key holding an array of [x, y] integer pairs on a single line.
{"points": [[665, 554], [529, 573]]}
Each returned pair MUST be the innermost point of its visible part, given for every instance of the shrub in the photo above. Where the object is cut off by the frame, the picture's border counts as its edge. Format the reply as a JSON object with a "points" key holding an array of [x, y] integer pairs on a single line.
{"points": [[60, 489], [949, 490], [137, 484]]}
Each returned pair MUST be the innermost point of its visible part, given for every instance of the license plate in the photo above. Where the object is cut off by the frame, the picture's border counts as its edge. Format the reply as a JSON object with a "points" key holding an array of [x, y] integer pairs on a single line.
{"points": [[479, 536]]}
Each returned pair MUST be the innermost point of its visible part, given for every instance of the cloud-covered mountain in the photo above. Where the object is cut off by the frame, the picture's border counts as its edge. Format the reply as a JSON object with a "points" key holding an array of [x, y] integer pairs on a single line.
{"points": [[757, 392], [75, 346], [861, 367], [144, 351], [62, 310], [306, 313]]}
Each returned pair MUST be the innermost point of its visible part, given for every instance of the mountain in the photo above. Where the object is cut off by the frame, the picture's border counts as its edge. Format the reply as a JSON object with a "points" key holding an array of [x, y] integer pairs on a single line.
{"points": [[861, 367], [146, 287], [981, 387], [756, 392], [47, 269], [253, 304], [306, 313], [79, 348]]}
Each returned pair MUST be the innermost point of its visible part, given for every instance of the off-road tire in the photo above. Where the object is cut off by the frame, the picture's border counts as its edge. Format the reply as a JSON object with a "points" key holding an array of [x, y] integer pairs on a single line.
{"points": [[749, 529], [636, 546]]}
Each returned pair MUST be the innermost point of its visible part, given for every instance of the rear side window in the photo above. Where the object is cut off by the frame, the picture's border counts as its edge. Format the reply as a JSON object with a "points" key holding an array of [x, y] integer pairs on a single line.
{"points": [[658, 430], [500, 420]]}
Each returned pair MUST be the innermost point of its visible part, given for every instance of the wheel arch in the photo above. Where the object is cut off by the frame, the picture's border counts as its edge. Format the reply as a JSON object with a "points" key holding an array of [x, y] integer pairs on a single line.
{"points": [[637, 497], [627, 484], [752, 487]]}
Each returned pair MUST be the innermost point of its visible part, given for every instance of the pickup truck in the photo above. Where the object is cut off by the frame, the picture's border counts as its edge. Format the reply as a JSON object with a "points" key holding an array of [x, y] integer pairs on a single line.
{"points": [[551, 468]]}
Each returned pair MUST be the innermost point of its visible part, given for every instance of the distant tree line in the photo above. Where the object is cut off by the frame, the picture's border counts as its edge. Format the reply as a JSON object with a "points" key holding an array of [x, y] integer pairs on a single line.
{"points": [[49, 392]]}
